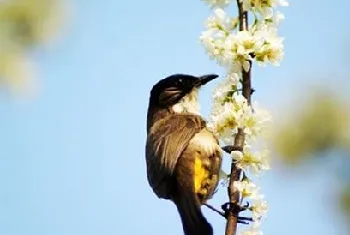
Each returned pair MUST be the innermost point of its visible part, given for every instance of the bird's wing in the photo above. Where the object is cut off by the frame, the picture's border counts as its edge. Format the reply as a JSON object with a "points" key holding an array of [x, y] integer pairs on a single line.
{"points": [[166, 141]]}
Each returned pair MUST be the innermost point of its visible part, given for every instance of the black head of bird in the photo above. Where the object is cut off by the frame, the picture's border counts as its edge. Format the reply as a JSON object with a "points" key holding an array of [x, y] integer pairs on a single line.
{"points": [[177, 93]]}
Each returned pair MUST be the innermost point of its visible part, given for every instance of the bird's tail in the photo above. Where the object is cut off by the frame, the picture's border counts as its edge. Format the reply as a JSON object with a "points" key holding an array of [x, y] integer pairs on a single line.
{"points": [[193, 221]]}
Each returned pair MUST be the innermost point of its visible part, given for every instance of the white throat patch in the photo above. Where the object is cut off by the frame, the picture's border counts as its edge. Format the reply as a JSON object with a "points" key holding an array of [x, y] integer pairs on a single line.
{"points": [[188, 104]]}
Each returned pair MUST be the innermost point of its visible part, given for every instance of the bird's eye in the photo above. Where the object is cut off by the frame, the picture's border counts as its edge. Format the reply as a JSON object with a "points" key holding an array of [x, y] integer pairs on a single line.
{"points": [[179, 82]]}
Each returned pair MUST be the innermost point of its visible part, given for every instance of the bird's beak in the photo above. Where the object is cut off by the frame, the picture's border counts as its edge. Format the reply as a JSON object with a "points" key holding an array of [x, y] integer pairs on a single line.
{"points": [[206, 78]]}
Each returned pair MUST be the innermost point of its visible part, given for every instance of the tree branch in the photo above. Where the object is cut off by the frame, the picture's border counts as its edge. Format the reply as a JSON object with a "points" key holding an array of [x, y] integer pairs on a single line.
{"points": [[234, 196]]}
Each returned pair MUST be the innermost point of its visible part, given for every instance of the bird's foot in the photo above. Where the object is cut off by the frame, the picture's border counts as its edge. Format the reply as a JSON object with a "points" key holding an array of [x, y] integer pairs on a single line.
{"points": [[222, 213], [229, 148], [244, 220], [236, 209], [228, 206], [233, 207]]}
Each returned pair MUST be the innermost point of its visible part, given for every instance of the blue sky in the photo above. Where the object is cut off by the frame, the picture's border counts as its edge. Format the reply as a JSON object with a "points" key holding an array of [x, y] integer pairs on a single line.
{"points": [[72, 159]]}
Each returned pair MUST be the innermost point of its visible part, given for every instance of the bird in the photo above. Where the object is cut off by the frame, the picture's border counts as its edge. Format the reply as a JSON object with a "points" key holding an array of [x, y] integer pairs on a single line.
{"points": [[183, 155]]}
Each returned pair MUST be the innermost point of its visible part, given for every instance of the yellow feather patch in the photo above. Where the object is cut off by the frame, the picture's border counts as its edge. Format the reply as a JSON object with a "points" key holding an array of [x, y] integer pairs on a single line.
{"points": [[200, 174]]}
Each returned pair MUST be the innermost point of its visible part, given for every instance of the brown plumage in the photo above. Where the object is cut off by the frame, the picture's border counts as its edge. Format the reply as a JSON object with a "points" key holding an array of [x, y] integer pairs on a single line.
{"points": [[183, 157]]}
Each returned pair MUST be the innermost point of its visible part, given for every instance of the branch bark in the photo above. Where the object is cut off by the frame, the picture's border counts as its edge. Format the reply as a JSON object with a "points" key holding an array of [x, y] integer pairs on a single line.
{"points": [[234, 196]]}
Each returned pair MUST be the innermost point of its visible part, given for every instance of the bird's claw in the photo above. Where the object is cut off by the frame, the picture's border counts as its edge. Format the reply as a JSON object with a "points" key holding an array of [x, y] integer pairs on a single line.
{"points": [[229, 148], [244, 220], [228, 206], [236, 208]]}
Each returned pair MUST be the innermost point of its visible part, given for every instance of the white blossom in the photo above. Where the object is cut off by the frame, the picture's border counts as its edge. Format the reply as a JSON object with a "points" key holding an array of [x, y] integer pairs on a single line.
{"points": [[277, 18], [249, 161], [227, 115], [259, 208], [247, 189], [265, 7], [246, 4], [237, 155], [240, 47], [252, 231], [228, 135], [220, 21], [217, 3], [270, 48], [255, 120], [283, 3], [229, 84], [236, 50], [231, 111]]}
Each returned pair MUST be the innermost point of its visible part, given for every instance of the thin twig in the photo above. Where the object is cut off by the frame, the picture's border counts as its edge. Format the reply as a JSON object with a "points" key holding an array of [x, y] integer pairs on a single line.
{"points": [[234, 196], [215, 210]]}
